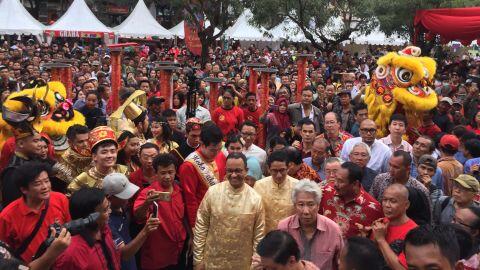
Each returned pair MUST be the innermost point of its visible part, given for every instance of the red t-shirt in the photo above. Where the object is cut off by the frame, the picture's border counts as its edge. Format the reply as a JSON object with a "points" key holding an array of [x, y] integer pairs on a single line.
{"points": [[228, 120], [398, 232], [430, 131], [170, 236], [17, 221], [88, 256]]}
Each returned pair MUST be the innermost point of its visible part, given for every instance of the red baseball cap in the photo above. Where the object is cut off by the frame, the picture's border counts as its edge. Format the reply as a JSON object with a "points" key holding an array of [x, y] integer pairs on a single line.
{"points": [[450, 140]]}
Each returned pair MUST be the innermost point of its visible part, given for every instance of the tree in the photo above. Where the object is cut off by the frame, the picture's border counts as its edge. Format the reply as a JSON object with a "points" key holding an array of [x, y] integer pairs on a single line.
{"points": [[325, 23], [396, 17], [221, 14]]}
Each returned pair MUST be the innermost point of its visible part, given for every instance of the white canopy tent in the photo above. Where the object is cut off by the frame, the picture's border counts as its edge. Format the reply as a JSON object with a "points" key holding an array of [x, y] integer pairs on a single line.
{"points": [[140, 24], [244, 31], [15, 19], [288, 30], [78, 21], [179, 29]]}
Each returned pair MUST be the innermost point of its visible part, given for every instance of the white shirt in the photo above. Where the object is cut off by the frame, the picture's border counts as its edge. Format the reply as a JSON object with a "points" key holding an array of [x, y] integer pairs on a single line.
{"points": [[200, 113], [256, 152], [380, 154]]}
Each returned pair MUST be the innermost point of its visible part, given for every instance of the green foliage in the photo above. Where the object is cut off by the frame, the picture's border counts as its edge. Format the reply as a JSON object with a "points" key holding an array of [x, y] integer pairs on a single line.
{"points": [[396, 17], [315, 18], [221, 13]]}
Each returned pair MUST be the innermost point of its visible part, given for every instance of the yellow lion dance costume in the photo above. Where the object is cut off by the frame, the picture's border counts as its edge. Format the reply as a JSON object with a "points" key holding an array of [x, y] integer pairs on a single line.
{"points": [[401, 84], [55, 111]]}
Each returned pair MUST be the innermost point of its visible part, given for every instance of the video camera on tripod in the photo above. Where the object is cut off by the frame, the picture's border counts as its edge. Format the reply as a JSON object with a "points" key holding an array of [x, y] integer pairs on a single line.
{"points": [[74, 227]]}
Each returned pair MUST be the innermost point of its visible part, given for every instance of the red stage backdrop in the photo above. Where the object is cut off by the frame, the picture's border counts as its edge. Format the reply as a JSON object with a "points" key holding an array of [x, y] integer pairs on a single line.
{"points": [[462, 24]]}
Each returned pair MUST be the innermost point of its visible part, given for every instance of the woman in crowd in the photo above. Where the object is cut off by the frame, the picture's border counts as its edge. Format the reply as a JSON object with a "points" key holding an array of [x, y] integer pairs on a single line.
{"points": [[162, 135], [277, 120], [91, 110], [129, 146], [178, 100]]}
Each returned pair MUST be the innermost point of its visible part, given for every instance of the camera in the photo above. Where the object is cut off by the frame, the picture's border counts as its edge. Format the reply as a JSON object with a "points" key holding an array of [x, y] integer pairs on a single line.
{"points": [[74, 227]]}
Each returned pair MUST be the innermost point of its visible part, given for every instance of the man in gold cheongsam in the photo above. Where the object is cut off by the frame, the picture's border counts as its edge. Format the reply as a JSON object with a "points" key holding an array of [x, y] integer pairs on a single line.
{"points": [[276, 191], [230, 221]]}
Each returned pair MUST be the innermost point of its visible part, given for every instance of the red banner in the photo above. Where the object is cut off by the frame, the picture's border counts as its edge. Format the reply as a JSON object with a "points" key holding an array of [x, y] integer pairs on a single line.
{"points": [[191, 39]]}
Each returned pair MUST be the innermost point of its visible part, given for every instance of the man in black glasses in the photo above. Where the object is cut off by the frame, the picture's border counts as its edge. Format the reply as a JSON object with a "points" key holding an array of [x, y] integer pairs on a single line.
{"points": [[380, 152]]}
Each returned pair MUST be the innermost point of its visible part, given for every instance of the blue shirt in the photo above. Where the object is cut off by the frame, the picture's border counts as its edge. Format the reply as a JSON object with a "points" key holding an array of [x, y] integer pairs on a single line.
{"points": [[319, 171], [119, 225], [460, 157], [469, 163], [254, 169]]}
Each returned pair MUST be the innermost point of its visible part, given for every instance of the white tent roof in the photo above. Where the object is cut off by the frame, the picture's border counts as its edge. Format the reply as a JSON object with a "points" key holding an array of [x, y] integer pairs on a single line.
{"points": [[288, 30], [140, 23], [244, 31], [15, 19], [79, 18], [377, 37], [179, 29]]}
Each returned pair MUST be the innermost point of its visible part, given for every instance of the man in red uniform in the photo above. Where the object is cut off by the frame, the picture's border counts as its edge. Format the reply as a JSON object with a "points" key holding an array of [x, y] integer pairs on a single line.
{"points": [[252, 113], [18, 219], [347, 203], [168, 240], [201, 170]]}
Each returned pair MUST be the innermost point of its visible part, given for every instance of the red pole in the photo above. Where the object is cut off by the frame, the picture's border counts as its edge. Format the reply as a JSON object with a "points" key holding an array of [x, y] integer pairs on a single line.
{"points": [[55, 74], [116, 77], [213, 98], [252, 80], [301, 65], [265, 78], [166, 87], [69, 83]]}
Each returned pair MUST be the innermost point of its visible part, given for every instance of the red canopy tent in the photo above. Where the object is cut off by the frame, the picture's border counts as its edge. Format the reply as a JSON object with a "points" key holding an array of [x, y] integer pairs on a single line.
{"points": [[462, 24]]}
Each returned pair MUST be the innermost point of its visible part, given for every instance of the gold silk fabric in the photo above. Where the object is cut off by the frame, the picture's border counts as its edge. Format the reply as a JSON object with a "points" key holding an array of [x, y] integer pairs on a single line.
{"points": [[93, 178], [70, 165], [230, 223], [277, 200]]}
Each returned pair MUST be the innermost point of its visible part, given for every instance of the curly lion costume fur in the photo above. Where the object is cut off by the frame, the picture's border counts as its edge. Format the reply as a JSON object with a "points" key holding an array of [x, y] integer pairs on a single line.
{"points": [[401, 84], [56, 112]]}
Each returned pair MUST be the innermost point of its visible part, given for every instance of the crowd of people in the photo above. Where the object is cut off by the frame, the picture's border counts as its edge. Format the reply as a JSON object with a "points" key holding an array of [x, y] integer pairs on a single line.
{"points": [[167, 191]]}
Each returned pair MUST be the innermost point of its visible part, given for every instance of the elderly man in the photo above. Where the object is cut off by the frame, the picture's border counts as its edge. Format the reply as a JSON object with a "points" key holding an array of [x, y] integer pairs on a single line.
{"points": [[347, 203], [464, 189], [399, 173], [332, 165], [276, 190], [318, 154], [319, 238], [226, 237], [360, 155], [380, 152], [333, 133]]}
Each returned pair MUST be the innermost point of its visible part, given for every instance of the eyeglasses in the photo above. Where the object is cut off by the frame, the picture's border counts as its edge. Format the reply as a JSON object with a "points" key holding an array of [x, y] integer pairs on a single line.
{"points": [[237, 171], [276, 171], [368, 130]]}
